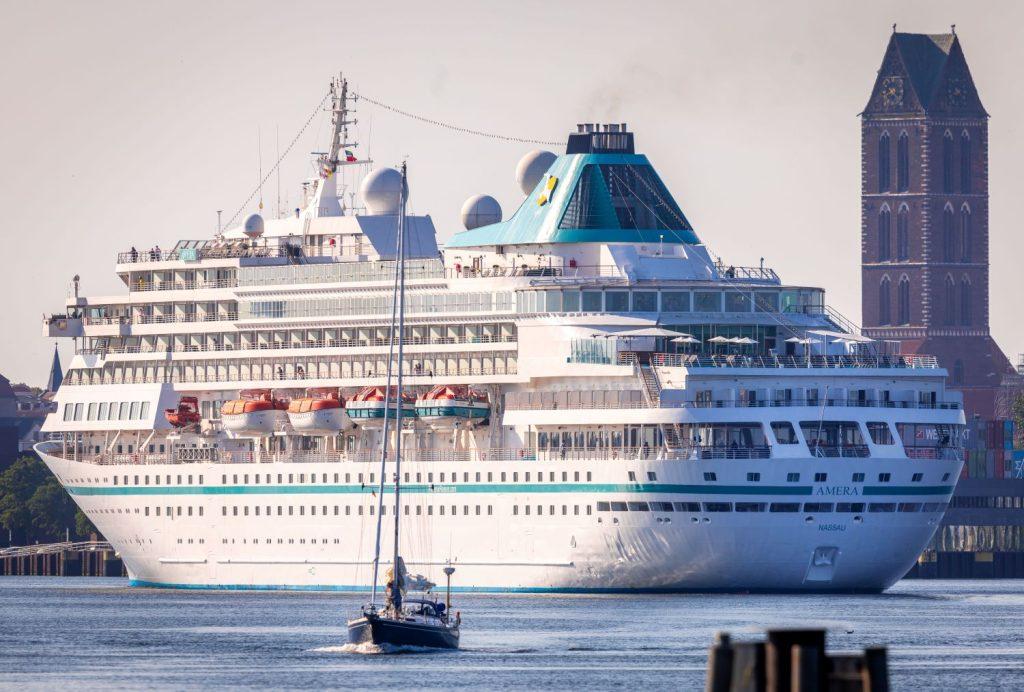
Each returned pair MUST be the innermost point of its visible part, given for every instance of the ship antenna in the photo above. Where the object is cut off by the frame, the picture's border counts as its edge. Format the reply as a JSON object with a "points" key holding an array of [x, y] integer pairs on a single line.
{"points": [[259, 163]]}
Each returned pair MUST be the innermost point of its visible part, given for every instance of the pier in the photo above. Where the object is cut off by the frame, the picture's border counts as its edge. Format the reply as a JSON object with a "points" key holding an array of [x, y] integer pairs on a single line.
{"points": [[65, 559]]}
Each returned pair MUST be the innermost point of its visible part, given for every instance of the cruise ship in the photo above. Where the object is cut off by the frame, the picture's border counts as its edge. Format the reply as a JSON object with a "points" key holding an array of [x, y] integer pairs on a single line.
{"points": [[593, 401]]}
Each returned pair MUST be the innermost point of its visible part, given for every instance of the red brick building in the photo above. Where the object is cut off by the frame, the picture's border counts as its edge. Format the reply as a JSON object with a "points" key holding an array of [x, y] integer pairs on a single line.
{"points": [[924, 214]]}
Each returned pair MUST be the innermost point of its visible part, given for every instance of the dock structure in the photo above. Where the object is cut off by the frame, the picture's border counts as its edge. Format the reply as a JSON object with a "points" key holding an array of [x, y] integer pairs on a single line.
{"points": [[793, 660], [64, 559]]}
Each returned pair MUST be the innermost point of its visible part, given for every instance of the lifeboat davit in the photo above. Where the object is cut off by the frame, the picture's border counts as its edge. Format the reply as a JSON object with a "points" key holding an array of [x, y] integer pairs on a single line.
{"points": [[257, 412], [366, 408], [186, 414], [320, 412], [448, 406]]}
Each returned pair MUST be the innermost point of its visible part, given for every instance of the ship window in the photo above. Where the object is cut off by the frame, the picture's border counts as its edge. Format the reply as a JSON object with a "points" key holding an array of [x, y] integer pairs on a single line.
{"points": [[766, 301], [753, 477], [707, 301], [515, 509], [717, 506], [858, 478], [818, 507], [884, 477], [737, 301], [645, 301], [784, 507], [882, 507], [616, 301], [850, 507], [639, 507], [910, 507], [632, 477], [917, 478], [69, 411], [652, 476], [619, 507], [710, 476], [784, 433], [880, 433], [661, 507], [675, 301], [750, 506], [592, 301], [792, 477], [820, 477]]}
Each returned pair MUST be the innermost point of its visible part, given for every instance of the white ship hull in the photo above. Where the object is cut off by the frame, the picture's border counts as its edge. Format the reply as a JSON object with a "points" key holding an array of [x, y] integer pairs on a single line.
{"points": [[227, 545]]}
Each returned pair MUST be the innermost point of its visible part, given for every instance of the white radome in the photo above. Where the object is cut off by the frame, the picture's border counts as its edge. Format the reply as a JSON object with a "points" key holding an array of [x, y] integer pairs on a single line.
{"points": [[480, 210], [381, 191], [253, 227], [531, 168]]}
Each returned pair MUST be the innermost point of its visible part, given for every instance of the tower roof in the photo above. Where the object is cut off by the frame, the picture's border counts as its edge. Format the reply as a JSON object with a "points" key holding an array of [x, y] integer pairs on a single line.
{"points": [[56, 373], [924, 73]]}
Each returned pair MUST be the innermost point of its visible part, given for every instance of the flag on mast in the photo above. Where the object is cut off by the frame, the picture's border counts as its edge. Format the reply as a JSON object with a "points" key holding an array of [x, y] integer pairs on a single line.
{"points": [[349, 156]]}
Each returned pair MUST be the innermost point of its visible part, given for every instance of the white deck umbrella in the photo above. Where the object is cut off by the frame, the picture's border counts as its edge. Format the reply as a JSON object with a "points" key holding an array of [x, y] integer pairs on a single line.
{"points": [[719, 340], [686, 339], [744, 340]]}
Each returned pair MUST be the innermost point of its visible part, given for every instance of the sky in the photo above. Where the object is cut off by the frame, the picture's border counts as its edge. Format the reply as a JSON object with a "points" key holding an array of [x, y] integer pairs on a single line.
{"points": [[130, 124]]}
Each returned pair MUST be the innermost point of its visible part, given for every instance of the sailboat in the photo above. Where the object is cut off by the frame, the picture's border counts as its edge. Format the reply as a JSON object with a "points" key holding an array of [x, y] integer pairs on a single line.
{"points": [[401, 621]]}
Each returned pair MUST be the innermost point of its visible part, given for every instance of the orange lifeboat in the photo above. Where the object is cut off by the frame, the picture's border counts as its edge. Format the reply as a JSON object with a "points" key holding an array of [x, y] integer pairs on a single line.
{"points": [[366, 408], [255, 412], [320, 412], [446, 406], [186, 414]]}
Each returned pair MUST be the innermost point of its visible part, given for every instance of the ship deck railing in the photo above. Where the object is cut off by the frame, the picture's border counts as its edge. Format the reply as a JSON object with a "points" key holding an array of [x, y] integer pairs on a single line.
{"points": [[775, 361], [53, 548], [554, 405], [181, 285], [685, 452], [208, 250], [221, 456], [306, 344]]}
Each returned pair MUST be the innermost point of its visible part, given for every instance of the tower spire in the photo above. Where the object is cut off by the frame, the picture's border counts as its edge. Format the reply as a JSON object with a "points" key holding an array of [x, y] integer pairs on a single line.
{"points": [[56, 373]]}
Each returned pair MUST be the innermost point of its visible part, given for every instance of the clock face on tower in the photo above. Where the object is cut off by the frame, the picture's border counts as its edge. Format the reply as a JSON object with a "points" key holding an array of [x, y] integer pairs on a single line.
{"points": [[892, 91], [957, 92]]}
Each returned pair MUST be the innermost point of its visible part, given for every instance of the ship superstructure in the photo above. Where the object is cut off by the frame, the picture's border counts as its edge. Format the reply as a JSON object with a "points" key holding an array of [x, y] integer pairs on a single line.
{"points": [[596, 402]]}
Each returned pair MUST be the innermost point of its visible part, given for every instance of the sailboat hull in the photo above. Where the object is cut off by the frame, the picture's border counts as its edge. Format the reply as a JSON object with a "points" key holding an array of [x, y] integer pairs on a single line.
{"points": [[373, 629]]}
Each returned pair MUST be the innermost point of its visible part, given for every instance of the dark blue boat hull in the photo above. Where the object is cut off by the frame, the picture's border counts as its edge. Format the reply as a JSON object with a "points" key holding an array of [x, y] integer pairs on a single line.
{"points": [[377, 630]]}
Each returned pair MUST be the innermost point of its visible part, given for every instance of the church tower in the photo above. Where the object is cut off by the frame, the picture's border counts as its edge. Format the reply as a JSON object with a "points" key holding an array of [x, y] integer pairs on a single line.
{"points": [[924, 214]]}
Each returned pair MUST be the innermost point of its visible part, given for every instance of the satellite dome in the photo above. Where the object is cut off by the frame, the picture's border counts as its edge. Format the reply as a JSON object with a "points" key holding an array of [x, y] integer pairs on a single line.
{"points": [[480, 210], [253, 226], [381, 191], [531, 168]]}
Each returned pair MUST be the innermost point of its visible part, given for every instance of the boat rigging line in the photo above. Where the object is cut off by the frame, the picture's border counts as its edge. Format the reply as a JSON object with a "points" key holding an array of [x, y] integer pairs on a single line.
{"points": [[457, 128], [277, 163]]}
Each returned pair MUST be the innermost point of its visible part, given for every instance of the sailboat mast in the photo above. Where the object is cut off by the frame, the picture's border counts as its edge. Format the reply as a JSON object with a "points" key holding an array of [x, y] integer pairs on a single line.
{"points": [[388, 401], [401, 340]]}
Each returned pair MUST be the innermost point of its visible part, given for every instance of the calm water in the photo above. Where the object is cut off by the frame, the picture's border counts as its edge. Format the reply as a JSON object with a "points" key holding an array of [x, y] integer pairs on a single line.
{"points": [[98, 633]]}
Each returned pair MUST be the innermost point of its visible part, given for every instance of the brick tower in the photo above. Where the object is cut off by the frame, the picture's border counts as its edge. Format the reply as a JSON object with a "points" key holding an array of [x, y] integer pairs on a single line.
{"points": [[924, 214]]}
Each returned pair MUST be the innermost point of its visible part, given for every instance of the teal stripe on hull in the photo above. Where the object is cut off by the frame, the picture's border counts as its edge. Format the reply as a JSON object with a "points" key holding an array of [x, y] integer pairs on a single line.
{"points": [[483, 488]]}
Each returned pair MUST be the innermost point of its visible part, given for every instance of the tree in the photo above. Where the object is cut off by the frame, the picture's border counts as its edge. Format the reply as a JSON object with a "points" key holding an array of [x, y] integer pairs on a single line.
{"points": [[1017, 414], [17, 485], [35, 508]]}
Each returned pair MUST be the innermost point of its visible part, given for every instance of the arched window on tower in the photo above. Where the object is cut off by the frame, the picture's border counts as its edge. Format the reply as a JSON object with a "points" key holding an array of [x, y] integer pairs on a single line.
{"points": [[903, 163], [965, 302], [958, 372], [903, 300], [884, 301], [884, 163], [884, 235], [966, 234], [947, 162], [903, 233], [949, 302], [948, 241], [965, 163]]}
